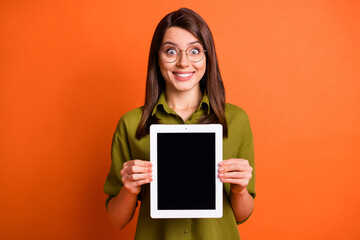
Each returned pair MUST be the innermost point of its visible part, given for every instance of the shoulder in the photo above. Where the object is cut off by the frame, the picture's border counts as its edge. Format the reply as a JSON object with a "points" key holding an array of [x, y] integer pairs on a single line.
{"points": [[234, 111], [131, 119], [132, 115], [238, 123]]}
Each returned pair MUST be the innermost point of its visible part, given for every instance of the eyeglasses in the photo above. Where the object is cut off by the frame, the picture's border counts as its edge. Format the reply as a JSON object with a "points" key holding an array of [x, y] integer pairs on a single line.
{"points": [[194, 53]]}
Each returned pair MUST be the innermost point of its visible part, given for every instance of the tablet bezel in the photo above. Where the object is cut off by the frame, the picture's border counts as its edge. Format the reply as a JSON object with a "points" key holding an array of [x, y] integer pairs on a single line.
{"points": [[186, 128]]}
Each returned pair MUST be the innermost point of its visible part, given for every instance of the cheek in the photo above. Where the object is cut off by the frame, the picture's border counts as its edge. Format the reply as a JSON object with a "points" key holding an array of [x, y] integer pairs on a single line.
{"points": [[164, 69], [201, 69]]}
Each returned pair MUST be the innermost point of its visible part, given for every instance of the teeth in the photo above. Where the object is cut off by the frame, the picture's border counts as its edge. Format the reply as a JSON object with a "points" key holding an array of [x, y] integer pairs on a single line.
{"points": [[183, 74]]}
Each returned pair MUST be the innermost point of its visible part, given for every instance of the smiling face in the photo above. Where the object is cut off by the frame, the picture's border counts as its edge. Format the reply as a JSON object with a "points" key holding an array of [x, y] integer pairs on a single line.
{"points": [[182, 75]]}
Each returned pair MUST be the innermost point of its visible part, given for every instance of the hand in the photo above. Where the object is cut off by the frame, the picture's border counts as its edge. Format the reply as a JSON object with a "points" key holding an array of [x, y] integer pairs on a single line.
{"points": [[136, 173], [237, 172]]}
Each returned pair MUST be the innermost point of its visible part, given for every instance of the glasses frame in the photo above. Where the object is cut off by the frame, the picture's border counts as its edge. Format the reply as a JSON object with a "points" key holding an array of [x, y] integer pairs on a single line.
{"points": [[178, 55]]}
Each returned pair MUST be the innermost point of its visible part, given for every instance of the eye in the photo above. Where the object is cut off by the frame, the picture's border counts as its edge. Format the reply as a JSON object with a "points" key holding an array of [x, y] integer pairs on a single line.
{"points": [[194, 51], [170, 51]]}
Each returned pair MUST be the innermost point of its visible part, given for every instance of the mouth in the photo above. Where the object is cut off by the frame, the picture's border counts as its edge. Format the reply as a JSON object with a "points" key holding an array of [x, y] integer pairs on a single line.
{"points": [[183, 76]]}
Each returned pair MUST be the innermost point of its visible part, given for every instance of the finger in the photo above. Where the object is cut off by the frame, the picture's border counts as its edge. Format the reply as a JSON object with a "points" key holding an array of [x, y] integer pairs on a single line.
{"points": [[137, 162], [241, 182], [135, 169], [135, 177], [234, 161], [236, 175], [138, 183], [236, 168]]}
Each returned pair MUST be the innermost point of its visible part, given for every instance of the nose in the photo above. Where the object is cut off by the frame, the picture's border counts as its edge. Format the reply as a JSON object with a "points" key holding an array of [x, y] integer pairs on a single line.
{"points": [[183, 60]]}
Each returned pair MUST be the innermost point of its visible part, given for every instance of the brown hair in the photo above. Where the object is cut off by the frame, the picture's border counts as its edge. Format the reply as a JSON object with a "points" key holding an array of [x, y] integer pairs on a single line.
{"points": [[211, 83]]}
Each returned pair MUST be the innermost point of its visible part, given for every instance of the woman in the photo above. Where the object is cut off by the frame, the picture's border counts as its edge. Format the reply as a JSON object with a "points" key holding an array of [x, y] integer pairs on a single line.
{"points": [[184, 86]]}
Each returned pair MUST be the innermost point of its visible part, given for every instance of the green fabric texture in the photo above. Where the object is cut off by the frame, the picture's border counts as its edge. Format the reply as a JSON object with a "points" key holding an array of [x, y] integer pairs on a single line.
{"points": [[125, 147]]}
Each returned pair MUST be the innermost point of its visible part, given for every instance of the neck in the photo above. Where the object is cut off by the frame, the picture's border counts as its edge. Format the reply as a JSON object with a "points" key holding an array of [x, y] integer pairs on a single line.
{"points": [[183, 100]]}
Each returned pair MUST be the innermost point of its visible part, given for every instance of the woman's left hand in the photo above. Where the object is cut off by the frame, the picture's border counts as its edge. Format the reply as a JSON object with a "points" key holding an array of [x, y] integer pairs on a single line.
{"points": [[237, 172]]}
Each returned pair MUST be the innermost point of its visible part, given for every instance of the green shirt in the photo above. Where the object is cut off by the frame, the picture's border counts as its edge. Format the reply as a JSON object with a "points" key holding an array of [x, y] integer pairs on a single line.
{"points": [[125, 147]]}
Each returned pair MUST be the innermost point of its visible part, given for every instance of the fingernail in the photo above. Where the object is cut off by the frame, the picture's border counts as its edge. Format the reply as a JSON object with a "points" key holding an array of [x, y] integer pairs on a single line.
{"points": [[221, 175], [221, 169]]}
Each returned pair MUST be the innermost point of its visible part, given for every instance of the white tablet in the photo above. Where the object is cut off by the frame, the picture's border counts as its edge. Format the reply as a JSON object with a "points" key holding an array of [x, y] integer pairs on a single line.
{"points": [[185, 161]]}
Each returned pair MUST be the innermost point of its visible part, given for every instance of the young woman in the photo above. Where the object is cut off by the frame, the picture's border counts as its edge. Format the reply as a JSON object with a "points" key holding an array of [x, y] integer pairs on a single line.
{"points": [[184, 86]]}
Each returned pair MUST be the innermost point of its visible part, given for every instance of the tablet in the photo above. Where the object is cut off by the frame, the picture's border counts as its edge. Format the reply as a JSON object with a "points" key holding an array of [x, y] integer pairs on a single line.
{"points": [[185, 161]]}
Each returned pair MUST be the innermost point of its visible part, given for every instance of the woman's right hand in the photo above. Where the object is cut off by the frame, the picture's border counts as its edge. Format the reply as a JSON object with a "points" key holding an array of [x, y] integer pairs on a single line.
{"points": [[136, 173]]}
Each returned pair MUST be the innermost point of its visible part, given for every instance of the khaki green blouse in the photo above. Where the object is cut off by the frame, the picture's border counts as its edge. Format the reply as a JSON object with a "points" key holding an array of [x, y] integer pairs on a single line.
{"points": [[125, 147]]}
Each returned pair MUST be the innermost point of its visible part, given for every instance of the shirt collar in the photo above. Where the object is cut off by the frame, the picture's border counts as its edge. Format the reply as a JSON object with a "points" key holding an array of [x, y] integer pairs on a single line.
{"points": [[204, 104]]}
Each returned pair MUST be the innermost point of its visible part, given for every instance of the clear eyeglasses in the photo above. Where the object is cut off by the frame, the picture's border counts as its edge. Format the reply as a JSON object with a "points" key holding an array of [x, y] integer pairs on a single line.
{"points": [[194, 53]]}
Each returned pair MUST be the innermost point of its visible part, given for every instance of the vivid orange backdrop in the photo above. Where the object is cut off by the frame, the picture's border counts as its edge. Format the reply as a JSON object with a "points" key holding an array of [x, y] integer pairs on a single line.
{"points": [[69, 69]]}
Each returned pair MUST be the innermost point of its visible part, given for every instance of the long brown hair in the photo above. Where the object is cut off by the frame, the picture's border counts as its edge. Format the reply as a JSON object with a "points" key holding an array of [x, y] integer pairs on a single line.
{"points": [[211, 83]]}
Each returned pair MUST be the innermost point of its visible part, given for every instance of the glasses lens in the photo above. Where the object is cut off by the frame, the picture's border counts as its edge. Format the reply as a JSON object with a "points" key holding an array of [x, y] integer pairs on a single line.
{"points": [[169, 54], [195, 52]]}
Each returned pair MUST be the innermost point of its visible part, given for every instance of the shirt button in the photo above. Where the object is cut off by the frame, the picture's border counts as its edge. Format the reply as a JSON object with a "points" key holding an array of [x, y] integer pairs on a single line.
{"points": [[186, 232]]}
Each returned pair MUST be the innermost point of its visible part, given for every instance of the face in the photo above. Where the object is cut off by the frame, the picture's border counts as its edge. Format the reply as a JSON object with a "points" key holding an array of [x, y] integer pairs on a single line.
{"points": [[182, 75]]}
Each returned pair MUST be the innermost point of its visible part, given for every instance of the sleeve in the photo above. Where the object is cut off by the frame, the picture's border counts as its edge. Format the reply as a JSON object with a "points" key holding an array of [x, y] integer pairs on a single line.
{"points": [[120, 153], [246, 151]]}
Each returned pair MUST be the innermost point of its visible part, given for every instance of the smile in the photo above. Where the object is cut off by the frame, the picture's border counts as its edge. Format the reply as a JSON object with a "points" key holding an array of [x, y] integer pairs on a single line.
{"points": [[183, 76]]}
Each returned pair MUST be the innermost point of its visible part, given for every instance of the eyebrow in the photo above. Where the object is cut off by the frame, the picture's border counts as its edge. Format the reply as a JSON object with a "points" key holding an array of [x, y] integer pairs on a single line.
{"points": [[172, 43]]}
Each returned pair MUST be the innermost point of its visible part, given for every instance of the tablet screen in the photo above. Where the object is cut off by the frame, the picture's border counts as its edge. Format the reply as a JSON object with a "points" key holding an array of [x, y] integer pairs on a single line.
{"points": [[186, 166], [185, 160]]}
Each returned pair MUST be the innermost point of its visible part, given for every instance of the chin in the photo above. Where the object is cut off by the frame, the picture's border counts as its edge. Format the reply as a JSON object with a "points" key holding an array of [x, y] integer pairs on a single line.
{"points": [[184, 88]]}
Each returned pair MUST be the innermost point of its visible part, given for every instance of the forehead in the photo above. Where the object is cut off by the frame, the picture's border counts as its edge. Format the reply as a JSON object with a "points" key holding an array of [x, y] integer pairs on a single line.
{"points": [[179, 36]]}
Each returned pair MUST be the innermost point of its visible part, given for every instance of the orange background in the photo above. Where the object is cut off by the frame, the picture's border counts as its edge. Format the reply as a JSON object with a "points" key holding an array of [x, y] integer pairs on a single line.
{"points": [[69, 69]]}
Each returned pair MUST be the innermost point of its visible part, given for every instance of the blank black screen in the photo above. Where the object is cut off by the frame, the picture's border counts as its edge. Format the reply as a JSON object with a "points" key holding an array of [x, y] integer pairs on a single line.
{"points": [[186, 171]]}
